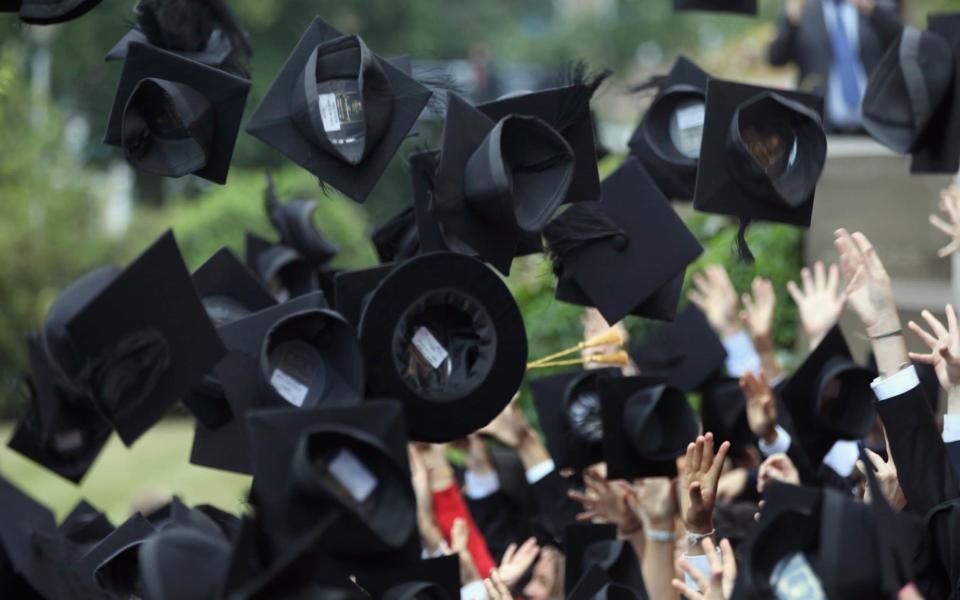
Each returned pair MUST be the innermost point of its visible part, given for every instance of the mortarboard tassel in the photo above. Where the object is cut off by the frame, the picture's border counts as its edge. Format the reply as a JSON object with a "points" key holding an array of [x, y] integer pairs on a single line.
{"points": [[743, 250], [578, 226], [576, 105]]}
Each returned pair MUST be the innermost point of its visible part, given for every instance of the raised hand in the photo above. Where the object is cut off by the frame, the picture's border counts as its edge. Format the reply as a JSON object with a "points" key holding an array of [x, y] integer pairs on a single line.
{"points": [[698, 480], [949, 205], [777, 467], [496, 588], [757, 313], [944, 344], [654, 502], [606, 501], [516, 560], [716, 297], [868, 286], [761, 406], [723, 574], [886, 473], [510, 427], [820, 302]]}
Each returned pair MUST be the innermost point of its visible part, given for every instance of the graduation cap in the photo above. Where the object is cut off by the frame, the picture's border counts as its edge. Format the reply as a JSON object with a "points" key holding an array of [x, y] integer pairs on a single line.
{"points": [[430, 579], [625, 254], [85, 525], [343, 465], [136, 341], [207, 32], [746, 7], [577, 538], [240, 374], [173, 116], [906, 89], [398, 238], [48, 12], [687, 352], [568, 410], [566, 109], [647, 424], [667, 141], [338, 110], [497, 181], [352, 290], [829, 397], [597, 585], [61, 429], [940, 151], [723, 411], [293, 220], [280, 267], [184, 563], [24, 522], [762, 153], [228, 290], [113, 563], [443, 334]]}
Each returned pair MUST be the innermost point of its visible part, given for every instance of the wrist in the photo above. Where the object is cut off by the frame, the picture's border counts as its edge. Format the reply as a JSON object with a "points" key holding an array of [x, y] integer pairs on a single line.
{"points": [[699, 528], [660, 524], [770, 435], [727, 330], [953, 400], [884, 324]]}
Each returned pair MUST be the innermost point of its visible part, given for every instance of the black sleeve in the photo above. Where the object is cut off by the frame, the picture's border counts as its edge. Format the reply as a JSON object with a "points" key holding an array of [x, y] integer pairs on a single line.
{"points": [[887, 23], [492, 515], [555, 508], [925, 473], [781, 50]]}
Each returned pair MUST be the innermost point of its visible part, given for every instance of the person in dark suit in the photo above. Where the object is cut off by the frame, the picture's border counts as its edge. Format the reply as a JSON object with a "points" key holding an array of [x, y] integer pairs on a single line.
{"points": [[836, 44]]}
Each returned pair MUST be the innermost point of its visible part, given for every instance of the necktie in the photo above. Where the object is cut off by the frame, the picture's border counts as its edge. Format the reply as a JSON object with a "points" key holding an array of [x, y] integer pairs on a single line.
{"points": [[844, 58]]}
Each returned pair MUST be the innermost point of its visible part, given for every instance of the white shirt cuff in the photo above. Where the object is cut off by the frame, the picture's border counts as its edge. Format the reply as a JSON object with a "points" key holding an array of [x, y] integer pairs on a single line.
{"points": [[951, 428], [539, 471], [741, 356], [479, 486], [899, 383], [699, 563], [842, 457], [473, 591], [779, 446]]}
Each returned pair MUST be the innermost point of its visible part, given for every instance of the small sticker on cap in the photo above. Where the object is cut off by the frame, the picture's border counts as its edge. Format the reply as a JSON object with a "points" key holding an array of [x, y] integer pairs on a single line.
{"points": [[292, 390], [350, 472], [429, 348], [328, 112], [690, 117]]}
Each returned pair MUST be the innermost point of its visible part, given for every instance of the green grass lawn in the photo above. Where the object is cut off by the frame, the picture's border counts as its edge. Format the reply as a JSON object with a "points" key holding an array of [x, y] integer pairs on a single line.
{"points": [[157, 462]]}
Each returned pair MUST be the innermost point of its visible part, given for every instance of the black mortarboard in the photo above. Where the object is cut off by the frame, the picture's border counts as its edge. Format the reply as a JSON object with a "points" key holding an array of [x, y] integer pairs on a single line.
{"points": [[240, 375], [618, 560], [647, 424], [566, 109], [280, 268], [940, 152], [184, 563], [577, 537], [136, 341], [907, 88], [173, 116], [345, 464], [61, 429], [48, 12], [435, 579], [293, 220], [228, 289], [85, 525], [338, 110], [423, 171], [829, 397], [762, 153], [667, 141], [497, 181], [112, 563], [398, 238], [687, 351], [597, 585], [723, 411], [352, 290], [747, 7], [568, 410], [208, 32], [22, 522], [625, 254], [443, 334]]}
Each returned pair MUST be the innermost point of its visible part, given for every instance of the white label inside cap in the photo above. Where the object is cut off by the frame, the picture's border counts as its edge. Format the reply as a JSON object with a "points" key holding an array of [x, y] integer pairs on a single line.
{"points": [[292, 390], [68, 441], [429, 348], [350, 472], [690, 116], [328, 112]]}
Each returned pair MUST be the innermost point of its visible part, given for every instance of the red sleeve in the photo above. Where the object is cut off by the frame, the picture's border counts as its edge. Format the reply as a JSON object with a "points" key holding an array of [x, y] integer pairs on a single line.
{"points": [[449, 505]]}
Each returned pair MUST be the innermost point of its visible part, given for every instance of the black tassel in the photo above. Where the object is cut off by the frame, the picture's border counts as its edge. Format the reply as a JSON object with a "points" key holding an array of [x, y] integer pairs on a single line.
{"points": [[577, 227], [650, 85], [743, 250], [270, 200], [575, 105], [127, 372], [441, 83]]}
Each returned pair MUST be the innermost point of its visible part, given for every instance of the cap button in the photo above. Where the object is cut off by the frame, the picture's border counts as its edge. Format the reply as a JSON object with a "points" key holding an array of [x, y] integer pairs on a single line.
{"points": [[619, 242]]}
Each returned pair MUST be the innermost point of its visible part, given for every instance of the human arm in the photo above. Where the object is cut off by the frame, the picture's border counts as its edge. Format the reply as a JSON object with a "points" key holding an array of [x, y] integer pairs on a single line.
{"points": [[820, 302], [757, 315]]}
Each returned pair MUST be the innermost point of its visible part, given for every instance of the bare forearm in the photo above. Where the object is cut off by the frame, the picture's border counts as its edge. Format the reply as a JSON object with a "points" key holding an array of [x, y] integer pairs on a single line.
{"points": [[657, 568], [532, 451]]}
